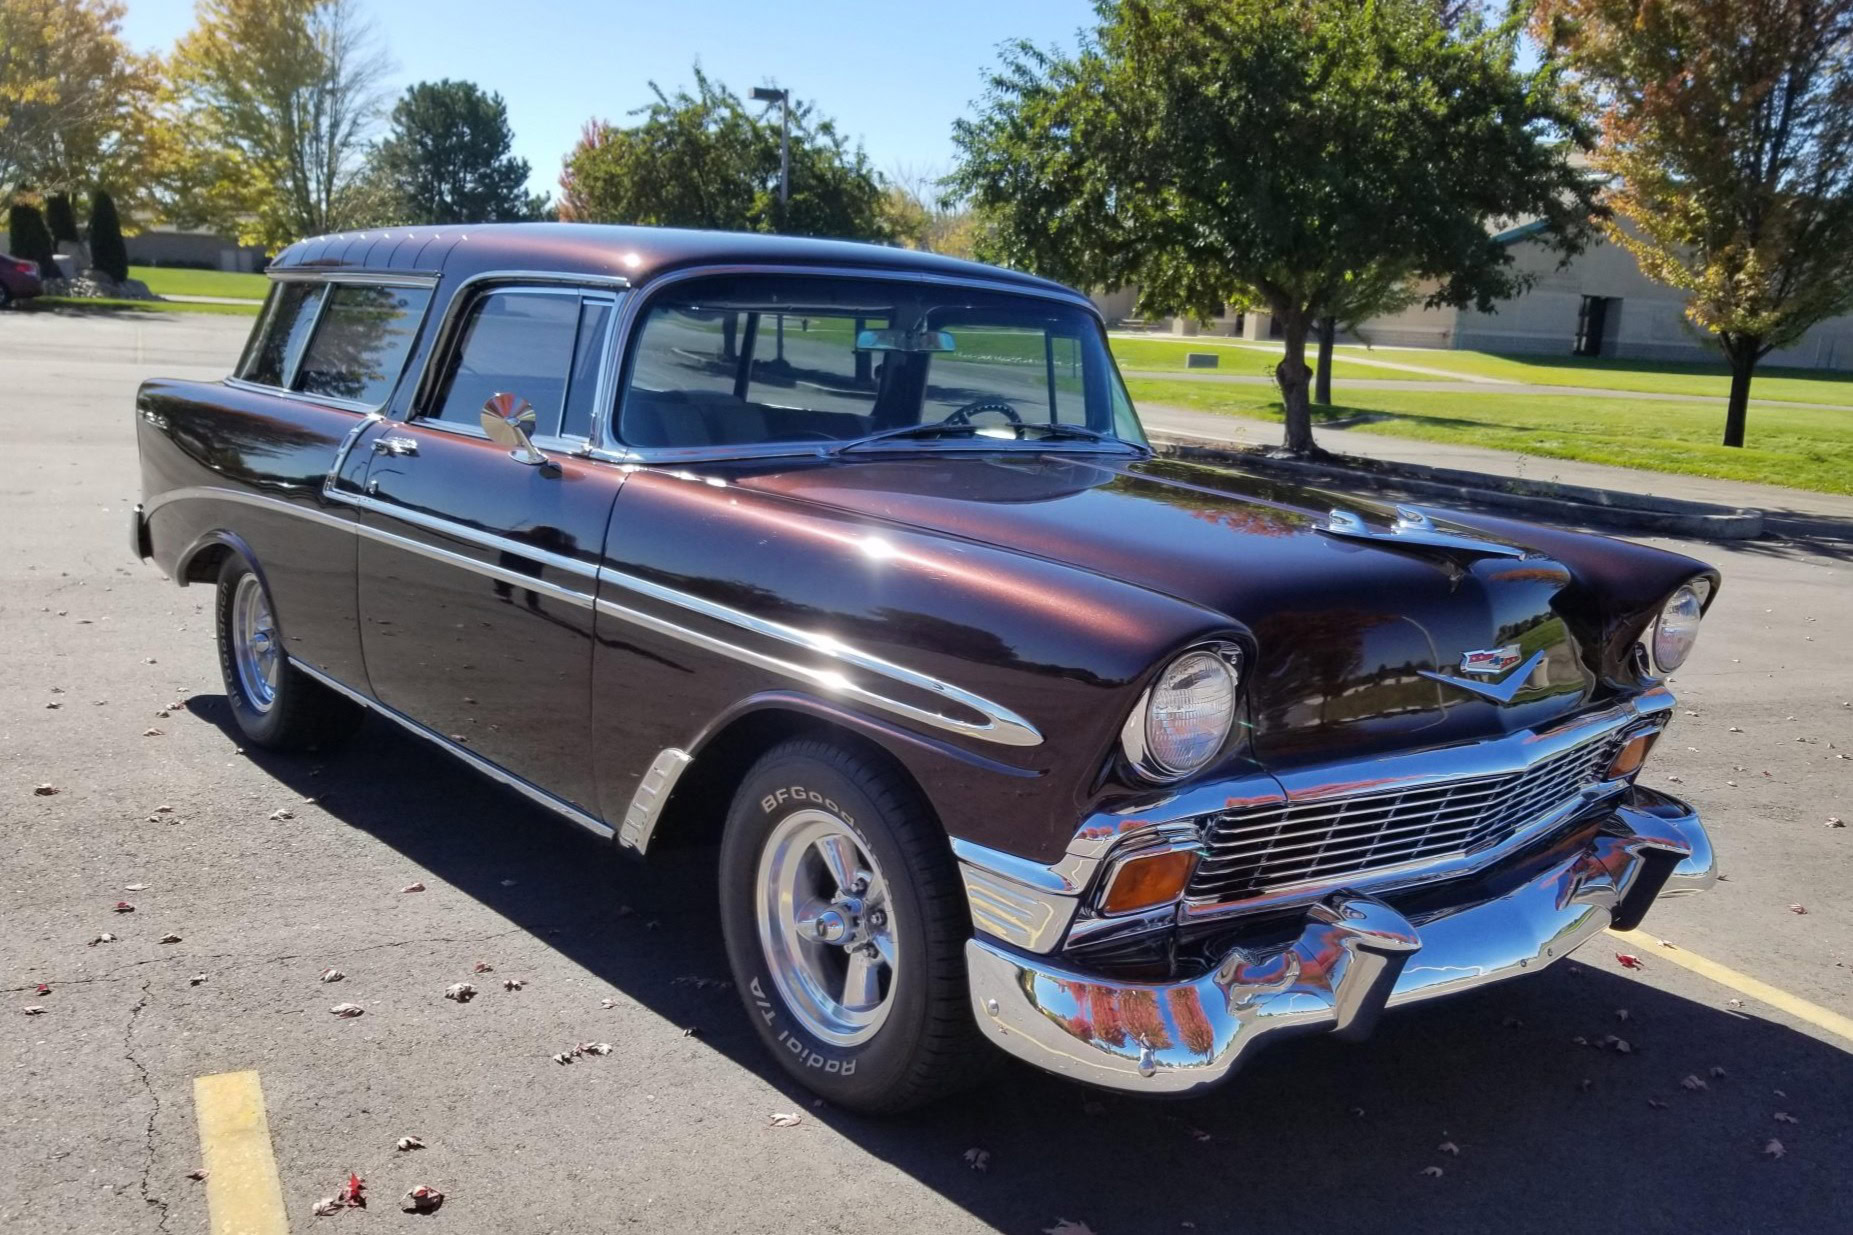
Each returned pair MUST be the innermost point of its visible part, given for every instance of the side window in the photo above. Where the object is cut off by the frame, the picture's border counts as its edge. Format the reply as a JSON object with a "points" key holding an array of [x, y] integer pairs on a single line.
{"points": [[286, 327], [588, 355], [520, 342], [361, 342]]}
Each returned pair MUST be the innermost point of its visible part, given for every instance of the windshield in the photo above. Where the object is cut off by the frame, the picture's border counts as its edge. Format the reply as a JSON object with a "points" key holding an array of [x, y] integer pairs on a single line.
{"points": [[759, 360]]}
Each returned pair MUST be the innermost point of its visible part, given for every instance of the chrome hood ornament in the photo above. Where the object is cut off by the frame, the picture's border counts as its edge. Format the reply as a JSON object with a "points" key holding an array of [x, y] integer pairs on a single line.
{"points": [[1493, 662], [1412, 530]]}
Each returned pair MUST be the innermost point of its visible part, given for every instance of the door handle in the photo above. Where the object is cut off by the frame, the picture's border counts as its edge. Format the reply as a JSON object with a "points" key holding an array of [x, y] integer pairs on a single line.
{"points": [[395, 446]]}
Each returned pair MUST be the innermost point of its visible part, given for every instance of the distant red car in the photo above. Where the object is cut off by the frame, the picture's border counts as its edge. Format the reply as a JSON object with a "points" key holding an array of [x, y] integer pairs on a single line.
{"points": [[19, 279]]}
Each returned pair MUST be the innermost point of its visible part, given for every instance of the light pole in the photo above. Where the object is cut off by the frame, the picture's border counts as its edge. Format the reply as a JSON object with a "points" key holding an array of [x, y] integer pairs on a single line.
{"points": [[767, 94]]}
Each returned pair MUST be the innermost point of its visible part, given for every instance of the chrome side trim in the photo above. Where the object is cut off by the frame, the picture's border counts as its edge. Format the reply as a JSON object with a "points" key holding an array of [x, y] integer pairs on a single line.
{"points": [[1000, 725], [526, 788], [333, 477], [652, 793], [194, 493], [1354, 957], [339, 274]]}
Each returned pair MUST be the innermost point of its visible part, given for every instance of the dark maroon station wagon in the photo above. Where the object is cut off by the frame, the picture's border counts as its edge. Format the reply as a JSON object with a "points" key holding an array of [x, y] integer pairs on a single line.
{"points": [[857, 559]]}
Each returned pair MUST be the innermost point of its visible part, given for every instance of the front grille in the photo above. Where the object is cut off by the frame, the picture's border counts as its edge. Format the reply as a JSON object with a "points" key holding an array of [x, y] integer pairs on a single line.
{"points": [[1328, 840]]}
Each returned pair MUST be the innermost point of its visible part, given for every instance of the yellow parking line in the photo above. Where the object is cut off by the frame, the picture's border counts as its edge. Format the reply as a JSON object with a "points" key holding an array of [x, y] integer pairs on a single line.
{"points": [[243, 1193], [1743, 983]]}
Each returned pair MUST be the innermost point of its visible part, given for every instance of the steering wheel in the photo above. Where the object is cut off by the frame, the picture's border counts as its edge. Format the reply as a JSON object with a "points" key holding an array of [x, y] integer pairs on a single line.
{"points": [[989, 403]]}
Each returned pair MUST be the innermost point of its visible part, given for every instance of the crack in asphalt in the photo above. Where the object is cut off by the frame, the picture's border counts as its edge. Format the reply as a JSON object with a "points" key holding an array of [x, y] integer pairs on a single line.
{"points": [[154, 1099]]}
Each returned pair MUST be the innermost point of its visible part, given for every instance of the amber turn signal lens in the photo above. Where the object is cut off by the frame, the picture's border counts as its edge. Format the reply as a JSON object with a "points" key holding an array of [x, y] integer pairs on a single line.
{"points": [[1153, 879], [1629, 759]]}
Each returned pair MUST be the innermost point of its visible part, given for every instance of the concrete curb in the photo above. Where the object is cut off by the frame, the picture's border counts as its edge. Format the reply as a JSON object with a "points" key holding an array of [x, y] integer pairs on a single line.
{"points": [[1544, 500]]}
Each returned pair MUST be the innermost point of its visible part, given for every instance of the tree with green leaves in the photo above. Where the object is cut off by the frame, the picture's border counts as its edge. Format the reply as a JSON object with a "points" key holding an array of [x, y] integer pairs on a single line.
{"points": [[447, 158], [107, 252], [1274, 151], [275, 101], [1726, 128], [706, 160]]}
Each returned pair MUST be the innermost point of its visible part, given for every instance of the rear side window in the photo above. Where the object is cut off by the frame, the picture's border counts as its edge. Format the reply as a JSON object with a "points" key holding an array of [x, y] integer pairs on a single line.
{"points": [[361, 341], [282, 332], [546, 347]]}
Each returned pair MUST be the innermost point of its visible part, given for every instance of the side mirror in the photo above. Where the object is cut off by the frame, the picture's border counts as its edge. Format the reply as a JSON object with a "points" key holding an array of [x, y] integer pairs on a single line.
{"points": [[507, 418]]}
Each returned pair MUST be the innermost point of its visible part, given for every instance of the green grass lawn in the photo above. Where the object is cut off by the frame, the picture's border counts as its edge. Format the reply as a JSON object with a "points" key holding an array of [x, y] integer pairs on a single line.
{"points": [[165, 281], [1239, 359], [1801, 448], [90, 304]]}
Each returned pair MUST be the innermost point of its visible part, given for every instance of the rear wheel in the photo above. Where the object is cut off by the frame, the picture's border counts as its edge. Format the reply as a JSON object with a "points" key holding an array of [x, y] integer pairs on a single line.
{"points": [[6, 295], [845, 925], [275, 704]]}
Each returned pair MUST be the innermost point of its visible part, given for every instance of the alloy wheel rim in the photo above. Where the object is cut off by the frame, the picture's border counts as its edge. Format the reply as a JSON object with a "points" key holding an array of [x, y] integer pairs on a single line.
{"points": [[255, 654], [826, 927]]}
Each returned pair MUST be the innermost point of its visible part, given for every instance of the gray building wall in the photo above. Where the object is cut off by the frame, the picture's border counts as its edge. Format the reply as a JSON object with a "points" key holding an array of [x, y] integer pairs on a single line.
{"points": [[161, 246]]}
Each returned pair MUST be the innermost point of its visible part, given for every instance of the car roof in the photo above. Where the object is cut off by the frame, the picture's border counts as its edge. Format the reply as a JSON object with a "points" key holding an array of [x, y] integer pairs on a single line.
{"points": [[636, 254]]}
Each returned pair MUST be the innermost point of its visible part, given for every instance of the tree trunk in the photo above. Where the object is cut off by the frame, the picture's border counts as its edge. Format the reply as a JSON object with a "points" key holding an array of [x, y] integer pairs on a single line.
{"points": [[1293, 376], [1322, 376], [1744, 352]]}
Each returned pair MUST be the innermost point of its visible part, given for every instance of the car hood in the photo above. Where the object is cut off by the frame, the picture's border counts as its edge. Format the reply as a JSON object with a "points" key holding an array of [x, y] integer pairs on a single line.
{"points": [[1352, 636]]}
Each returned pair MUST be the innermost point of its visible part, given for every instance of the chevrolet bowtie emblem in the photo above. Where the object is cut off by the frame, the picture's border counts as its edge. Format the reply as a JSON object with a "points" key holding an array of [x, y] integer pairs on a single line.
{"points": [[1493, 663]]}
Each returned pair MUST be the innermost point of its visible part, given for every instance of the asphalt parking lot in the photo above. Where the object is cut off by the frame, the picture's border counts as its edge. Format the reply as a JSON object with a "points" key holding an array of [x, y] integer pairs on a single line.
{"points": [[271, 870]]}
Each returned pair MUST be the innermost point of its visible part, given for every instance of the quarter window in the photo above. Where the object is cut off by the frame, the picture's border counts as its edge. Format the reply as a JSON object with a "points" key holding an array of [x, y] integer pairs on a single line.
{"points": [[543, 346], [285, 328], [361, 342]]}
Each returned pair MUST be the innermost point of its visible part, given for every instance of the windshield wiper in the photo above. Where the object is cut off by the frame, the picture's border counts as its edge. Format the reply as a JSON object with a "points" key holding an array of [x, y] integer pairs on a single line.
{"points": [[939, 428]]}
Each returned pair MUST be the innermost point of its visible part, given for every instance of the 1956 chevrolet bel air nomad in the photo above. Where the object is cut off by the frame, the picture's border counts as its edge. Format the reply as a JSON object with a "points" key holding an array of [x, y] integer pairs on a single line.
{"points": [[857, 559]]}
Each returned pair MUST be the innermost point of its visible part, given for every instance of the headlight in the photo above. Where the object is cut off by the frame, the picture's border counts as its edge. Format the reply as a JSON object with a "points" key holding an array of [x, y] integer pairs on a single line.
{"points": [[1677, 629], [1185, 717]]}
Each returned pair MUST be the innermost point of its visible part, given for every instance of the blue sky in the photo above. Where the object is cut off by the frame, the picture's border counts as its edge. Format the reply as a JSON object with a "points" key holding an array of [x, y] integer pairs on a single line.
{"points": [[895, 75]]}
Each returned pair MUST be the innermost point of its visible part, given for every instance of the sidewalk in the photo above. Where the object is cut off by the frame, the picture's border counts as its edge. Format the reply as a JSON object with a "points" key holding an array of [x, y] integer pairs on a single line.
{"points": [[1476, 386], [1776, 501]]}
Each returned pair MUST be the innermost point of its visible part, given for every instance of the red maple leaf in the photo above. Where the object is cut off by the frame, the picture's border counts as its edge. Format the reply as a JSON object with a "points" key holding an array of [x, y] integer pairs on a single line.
{"points": [[351, 1191], [1629, 961]]}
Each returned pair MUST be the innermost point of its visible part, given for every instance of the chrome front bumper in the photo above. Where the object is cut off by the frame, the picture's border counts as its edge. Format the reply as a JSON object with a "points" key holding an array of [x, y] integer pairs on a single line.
{"points": [[1355, 956]]}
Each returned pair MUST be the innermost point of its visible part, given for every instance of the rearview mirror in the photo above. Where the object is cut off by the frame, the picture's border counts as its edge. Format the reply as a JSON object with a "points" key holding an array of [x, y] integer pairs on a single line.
{"points": [[507, 418], [904, 341]]}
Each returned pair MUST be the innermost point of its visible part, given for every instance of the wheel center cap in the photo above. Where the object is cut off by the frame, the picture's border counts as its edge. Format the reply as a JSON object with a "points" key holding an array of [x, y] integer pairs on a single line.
{"points": [[831, 926]]}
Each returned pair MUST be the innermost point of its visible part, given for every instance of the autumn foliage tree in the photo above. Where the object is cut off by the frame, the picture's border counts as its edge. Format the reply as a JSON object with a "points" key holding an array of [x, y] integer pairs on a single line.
{"points": [[1726, 127], [1276, 151]]}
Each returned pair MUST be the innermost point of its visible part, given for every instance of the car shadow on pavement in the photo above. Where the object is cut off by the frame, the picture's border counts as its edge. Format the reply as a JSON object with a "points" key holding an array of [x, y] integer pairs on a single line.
{"points": [[1523, 1096]]}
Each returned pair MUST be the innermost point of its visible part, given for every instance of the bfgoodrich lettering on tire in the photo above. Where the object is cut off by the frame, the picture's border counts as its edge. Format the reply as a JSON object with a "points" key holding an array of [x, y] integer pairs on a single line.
{"points": [[845, 925]]}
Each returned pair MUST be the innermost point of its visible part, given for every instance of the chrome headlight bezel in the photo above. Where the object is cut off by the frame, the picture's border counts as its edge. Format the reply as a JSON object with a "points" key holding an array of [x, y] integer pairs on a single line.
{"points": [[1135, 737], [1664, 649]]}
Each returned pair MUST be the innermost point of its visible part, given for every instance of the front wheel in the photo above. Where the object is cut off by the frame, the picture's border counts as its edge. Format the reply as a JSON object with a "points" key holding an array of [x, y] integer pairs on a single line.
{"points": [[275, 704], [845, 925]]}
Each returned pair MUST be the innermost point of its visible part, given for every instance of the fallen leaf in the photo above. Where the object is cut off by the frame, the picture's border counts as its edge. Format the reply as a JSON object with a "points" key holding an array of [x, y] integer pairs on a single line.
{"points": [[1656, 1104], [1201, 1135], [413, 887], [105, 937], [607, 1003], [1783, 1117], [281, 813], [508, 883], [1835, 821], [1668, 944], [124, 907], [1798, 909], [1692, 1082], [151, 733], [421, 1200], [1737, 1003], [353, 1192], [198, 1173], [1717, 1073], [786, 1119], [978, 1159], [1585, 1084], [327, 1205], [462, 992], [196, 980], [42, 989], [134, 887], [1774, 1149], [410, 1142], [593, 1048], [347, 1010], [170, 938], [1433, 1172], [1449, 1147], [1064, 1226], [35, 1010], [46, 791], [562, 1058], [331, 975], [1734, 729], [1621, 1014], [1629, 960], [513, 984], [484, 967], [1579, 1040]]}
